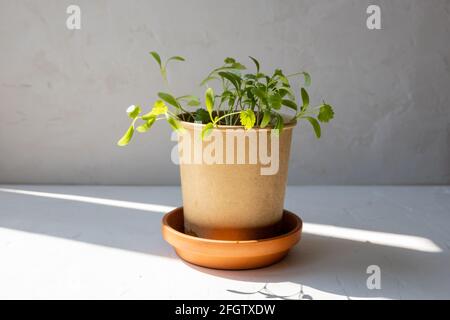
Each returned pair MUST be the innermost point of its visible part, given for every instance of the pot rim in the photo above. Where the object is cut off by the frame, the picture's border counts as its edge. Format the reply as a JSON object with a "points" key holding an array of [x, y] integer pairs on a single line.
{"points": [[188, 124], [298, 227]]}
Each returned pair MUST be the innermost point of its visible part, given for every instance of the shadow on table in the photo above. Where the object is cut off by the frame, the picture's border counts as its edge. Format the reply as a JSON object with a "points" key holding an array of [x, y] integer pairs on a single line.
{"points": [[319, 262], [93, 215], [339, 267]]}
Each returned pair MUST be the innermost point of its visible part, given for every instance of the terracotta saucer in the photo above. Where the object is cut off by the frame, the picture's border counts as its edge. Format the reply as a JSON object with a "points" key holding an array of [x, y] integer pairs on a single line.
{"points": [[231, 255]]}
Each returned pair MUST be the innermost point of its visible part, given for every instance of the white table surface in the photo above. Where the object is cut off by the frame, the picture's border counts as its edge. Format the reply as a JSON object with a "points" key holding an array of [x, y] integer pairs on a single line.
{"points": [[80, 242]]}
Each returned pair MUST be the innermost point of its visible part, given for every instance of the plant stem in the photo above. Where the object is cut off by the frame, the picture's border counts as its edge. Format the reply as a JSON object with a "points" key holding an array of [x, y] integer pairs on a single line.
{"points": [[225, 115]]}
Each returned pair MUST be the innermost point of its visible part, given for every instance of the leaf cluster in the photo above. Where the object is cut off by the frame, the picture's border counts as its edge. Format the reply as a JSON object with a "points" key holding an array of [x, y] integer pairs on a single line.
{"points": [[248, 99]]}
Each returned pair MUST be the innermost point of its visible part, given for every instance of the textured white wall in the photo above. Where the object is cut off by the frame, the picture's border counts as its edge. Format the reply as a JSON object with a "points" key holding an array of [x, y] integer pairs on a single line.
{"points": [[63, 93]]}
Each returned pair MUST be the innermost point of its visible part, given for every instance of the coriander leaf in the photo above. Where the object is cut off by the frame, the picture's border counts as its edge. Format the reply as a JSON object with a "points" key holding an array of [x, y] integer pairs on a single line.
{"points": [[175, 124], [279, 125], [209, 100], [256, 63], [192, 101], [266, 119], [326, 113], [229, 60], [201, 115], [261, 94], [286, 91], [315, 124], [305, 75], [207, 79], [207, 129], [126, 137], [133, 111], [159, 108], [156, 56], [169, 99], [147, 125], [305, 98], [275, 101], [307, 79], [238, 66], [289, 103], [234, 79], [248, 118], [177, 58]]}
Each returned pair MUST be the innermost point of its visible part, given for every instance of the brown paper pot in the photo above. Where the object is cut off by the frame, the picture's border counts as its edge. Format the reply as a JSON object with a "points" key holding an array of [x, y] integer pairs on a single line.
{"points": [[232, 201]]}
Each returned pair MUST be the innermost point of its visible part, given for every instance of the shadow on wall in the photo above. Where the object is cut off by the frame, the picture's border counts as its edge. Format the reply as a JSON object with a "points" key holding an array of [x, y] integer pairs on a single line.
{"points": [[327, 258]]}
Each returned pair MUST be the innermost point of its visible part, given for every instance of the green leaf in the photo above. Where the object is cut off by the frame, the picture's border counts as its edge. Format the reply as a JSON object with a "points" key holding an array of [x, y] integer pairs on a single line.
{"points": [[275, 101], [248, 118], [192, 101], [207, 129], [326, 113], [266, 119], [249, 93], [126, 137], [229, 60], [201, 115], [147, 125], [261, 94], [307, 79], [284, 81], [209, 78], [278, 74], [233, 66], [164, 68], [305, 98], [169, 99], [159, 108], [289, 103], [238, 66], [147, 116], [315, 124], [156, 56], [256, 63], [231, 100], [209, 100], [133, 111], [225, 95], [286, 91], [260, 75], [177, 58], [175, 124], [305, 75], [234, 79], [279, 124], [185, 97]]}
